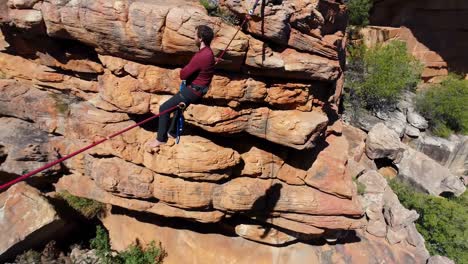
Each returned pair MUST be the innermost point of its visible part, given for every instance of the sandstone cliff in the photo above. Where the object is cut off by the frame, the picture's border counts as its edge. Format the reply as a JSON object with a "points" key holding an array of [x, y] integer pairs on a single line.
{"points": [[433, 30], [264, 153]]}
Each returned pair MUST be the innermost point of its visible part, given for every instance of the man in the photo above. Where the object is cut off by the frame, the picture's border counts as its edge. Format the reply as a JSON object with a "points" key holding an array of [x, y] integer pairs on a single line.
{"points": [[197, 74]]}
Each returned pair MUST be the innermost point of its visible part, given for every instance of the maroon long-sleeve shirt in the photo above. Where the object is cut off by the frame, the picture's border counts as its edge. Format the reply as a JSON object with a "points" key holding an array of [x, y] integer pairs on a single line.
{"points": [[200, 69]]}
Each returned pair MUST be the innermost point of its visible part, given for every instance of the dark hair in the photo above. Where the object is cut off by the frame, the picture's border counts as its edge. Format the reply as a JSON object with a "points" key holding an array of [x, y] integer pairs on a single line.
{"points": [[205, 33]]}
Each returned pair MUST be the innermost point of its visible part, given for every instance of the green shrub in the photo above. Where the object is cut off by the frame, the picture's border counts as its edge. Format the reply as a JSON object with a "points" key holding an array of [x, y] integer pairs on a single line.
{"points": [[29, 256], [215, 10], [102, 246], [443, 222], [134, 254], [378, 75], [86, 207], [445, 106], [358, 11]]}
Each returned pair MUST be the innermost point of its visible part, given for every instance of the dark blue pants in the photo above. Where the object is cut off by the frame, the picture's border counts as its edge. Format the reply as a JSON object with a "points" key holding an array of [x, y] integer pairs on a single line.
{"points": [[186, 96]]}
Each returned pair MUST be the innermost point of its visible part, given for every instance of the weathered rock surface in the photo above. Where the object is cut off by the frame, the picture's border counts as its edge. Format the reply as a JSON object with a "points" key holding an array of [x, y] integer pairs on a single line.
{"points": [[328, 172], [426, 174], [191, 246], [24, 148], [83, 186], [197, 158], [26, 220], [121, 178], [287, 128], [169, 37], [451, 153], [242, 194], [183, 194], [383, 142]]}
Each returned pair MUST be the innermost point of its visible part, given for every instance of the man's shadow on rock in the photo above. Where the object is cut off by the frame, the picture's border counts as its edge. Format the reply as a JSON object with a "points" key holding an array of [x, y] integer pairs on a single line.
{"points": [[265, 205]]}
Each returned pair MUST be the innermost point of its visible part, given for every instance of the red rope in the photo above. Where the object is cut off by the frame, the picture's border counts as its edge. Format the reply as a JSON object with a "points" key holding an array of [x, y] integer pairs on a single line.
{"points": [[247, 17], [29, 174]]}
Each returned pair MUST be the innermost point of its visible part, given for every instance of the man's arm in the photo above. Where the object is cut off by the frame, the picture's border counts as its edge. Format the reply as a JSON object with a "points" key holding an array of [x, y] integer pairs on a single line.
{"points": [[190, 68]]}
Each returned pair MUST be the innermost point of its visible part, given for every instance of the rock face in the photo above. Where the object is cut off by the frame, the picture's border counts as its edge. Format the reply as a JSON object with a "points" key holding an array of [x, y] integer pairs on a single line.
{"points": [[430, 31], [428, 175], [264, 154], [189, 245], [27, 220]]}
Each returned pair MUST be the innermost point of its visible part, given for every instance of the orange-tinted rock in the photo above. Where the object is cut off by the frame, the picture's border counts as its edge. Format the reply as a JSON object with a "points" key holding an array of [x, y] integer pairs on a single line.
{"points": [[83, 186], [26, 219], [122, 178], [196, 158], [291, 175], [46, 109], [290, 63], [303, 229], [260, 163], [16, 67], [307, 200], [327, 222], [328, 171], [290, 128], [124, 94], [183, 194], [194, 247], [241, 194]]}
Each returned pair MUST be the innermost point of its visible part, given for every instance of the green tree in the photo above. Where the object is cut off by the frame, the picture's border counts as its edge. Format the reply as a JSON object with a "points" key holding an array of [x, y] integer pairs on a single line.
{"points": [[445, 106], [443, 222], [378, 75], [358, 11]]}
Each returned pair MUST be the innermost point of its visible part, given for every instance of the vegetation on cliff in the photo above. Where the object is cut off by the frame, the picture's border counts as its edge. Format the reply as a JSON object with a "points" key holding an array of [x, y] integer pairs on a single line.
{"points": [[377, 76], [86, 207], [443, 222], [358, 11], [444, 105], [135, 254]]}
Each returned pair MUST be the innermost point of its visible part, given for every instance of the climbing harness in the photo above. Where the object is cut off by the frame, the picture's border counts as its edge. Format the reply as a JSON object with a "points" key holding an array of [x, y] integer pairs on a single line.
{"points": [[179, 115], [180, 121]]}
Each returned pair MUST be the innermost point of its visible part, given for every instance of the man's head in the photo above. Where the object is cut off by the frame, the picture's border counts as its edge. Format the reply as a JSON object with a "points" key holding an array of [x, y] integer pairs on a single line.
{"points": [[204, 34]]}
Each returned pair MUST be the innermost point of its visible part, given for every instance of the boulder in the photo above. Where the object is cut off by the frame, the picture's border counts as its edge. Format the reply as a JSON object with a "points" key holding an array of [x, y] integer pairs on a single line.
{"points": [[416, 119], [373, 181], [26, 220], [382, 142], [377, 228], [412, 131], [439, 260], [396, 215], [426, 174]]}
